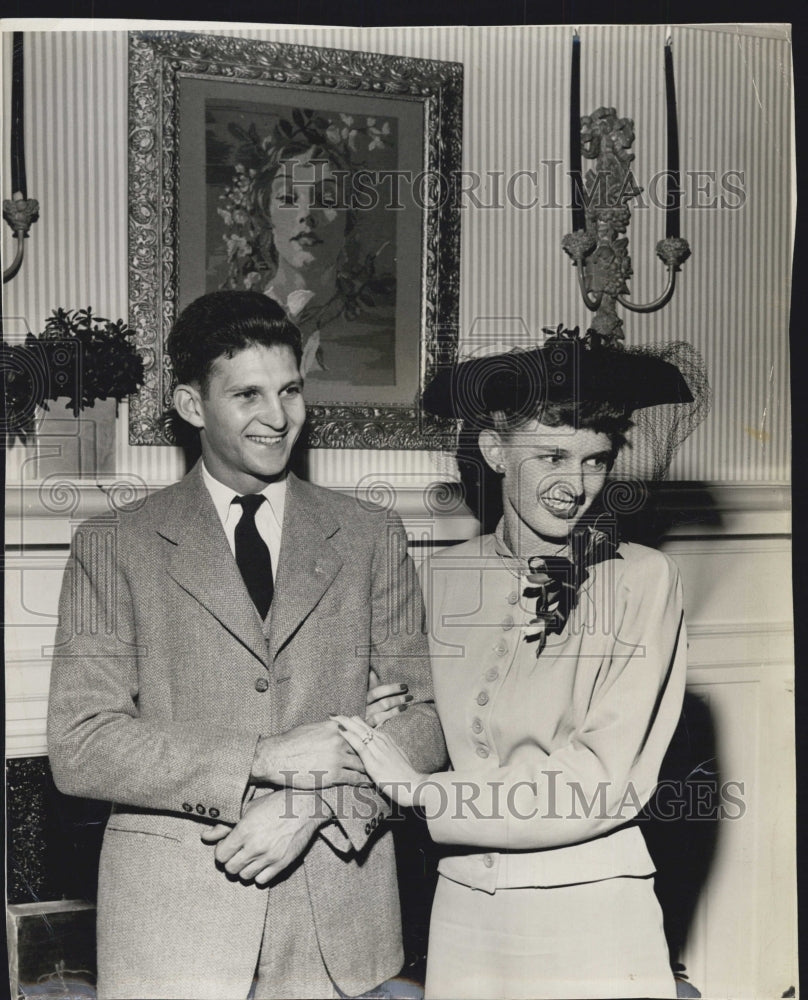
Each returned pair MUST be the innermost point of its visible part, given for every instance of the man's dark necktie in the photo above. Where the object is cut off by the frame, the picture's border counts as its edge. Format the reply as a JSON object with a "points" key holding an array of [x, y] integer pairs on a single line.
{"points": [[252, 554]]}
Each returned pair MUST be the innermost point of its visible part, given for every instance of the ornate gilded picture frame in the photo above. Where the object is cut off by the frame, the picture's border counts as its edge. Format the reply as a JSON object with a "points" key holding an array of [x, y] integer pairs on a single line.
{"points": [[231, 143]]}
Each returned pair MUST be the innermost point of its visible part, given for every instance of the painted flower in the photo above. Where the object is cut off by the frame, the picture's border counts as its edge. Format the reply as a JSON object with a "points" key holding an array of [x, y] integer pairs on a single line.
{"points": [[377, 135], [333, 134], [237, 246]]}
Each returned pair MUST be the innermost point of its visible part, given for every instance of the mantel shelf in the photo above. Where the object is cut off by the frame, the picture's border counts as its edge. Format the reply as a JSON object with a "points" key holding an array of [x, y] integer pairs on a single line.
{"points": [[45, 513]]}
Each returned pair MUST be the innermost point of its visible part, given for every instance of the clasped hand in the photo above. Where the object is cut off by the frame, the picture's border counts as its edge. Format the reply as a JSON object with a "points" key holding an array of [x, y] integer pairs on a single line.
{"points": [[384, 761], [309, 756], [273, 831], [276, 828], [315, 755]]}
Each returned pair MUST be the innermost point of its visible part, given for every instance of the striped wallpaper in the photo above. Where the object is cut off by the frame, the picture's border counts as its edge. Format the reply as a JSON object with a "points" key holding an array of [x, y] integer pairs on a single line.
{"points": [[735, 114]]}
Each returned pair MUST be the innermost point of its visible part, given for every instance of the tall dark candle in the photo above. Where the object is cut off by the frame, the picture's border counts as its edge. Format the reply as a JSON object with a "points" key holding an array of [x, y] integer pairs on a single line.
{"points": [[674, 192], [576, 180], [18, 184]]}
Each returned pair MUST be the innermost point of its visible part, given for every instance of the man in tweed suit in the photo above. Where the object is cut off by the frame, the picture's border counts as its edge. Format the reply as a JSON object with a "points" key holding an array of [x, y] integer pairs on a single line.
{"points": [[243, 837]]}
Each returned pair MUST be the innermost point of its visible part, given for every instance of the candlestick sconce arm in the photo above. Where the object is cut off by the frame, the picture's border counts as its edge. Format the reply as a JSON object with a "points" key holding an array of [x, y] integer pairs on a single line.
{"points": [[20, 214], [579, 245], [673, 252], [649, 307]]}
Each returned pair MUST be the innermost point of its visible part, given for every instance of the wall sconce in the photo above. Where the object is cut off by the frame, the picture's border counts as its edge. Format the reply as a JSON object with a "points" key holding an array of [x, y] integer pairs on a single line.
{"points": [[598, 244], [19, 211]]}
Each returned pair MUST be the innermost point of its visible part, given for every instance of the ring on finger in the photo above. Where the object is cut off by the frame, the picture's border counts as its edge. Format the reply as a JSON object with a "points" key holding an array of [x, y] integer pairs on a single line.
{"points": [[367, 737]]}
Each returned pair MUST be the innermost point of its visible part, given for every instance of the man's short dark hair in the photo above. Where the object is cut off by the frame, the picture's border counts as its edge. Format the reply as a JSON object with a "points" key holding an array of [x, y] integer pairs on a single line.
{"points": [[220, 324]]}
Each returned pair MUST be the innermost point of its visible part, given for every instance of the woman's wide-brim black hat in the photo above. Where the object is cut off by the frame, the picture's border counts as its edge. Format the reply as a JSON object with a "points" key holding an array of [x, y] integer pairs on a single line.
{"points": [[568, 368]]}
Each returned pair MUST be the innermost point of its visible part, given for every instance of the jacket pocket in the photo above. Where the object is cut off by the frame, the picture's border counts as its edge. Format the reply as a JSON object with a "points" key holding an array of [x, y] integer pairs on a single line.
{"points": [[149, 824]]}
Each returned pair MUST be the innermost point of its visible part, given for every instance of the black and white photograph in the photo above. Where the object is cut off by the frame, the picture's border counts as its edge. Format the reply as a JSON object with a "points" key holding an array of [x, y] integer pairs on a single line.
{"points": [[398, 534]]}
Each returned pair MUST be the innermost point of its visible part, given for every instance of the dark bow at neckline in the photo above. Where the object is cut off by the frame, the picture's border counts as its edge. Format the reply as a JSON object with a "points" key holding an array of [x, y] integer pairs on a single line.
{"points": [[555, 582]]}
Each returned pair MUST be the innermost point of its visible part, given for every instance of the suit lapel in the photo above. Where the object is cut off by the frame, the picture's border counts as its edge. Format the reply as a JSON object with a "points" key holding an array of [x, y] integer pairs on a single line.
{"points": [[202, 564], [308, 562]]}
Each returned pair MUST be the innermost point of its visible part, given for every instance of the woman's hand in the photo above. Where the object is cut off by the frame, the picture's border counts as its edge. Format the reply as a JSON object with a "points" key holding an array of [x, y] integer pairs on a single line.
{"points": [[384, 700], [385, 762]]}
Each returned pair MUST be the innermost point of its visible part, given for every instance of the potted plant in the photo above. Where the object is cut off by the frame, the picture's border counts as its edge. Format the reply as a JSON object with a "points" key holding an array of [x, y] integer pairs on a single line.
{"points": [[78, 356]]}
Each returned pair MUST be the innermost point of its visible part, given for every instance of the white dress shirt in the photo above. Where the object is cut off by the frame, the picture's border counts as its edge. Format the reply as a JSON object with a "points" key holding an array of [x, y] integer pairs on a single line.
{"points": [[268, 518]]}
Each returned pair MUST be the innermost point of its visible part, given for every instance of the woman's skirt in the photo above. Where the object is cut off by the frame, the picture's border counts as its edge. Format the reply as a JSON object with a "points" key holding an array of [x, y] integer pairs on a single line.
{"points": [[595, 939]]}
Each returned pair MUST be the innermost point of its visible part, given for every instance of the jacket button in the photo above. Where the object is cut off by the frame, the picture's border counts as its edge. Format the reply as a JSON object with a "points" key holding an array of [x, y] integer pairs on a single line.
{"points": [[477, 726], [187, 807], [262, 684], [492, 674], [367, 828], [201, 809], [482, 752], [501, 648], [213, 812], [482, 698], [513, 597], [488, 861], [507, 623]]}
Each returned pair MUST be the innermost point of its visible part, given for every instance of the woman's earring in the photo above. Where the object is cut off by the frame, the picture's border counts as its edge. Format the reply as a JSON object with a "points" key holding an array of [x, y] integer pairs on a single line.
{"points": [[500, 467]]}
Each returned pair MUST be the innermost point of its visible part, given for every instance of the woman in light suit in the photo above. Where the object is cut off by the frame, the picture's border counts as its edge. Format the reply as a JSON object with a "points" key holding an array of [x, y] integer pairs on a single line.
{"points": [[559, 658]]}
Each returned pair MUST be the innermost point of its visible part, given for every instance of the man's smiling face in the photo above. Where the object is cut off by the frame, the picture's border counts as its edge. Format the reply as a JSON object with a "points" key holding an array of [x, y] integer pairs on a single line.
{"points": [[250, 415]]}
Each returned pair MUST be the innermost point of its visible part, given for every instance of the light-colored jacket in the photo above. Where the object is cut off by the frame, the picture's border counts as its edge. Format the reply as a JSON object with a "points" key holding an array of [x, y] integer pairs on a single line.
{"points": [[163, 679], [553, 756]]}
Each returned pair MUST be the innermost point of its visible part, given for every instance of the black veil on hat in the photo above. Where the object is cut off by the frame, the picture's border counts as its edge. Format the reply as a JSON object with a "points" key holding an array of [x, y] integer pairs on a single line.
{"points": [[568, 368]]}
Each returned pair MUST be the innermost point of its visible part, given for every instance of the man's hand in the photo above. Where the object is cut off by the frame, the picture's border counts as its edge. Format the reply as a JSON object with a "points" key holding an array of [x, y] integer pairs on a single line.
{"points": [[311, 756], [273, 831]]}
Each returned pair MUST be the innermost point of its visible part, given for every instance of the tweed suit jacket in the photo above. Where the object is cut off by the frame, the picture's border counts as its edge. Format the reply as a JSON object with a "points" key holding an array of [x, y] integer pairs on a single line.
{"points": [[163, 679]]}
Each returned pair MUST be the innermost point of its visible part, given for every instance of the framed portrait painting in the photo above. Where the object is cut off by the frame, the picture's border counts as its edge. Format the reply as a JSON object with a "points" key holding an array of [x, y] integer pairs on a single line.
{"points": [[323, 178]]}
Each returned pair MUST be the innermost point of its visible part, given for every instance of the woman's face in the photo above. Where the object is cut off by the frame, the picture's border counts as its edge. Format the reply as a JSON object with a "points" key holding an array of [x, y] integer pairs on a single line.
{"points": [[552, 475], [308, 226]]}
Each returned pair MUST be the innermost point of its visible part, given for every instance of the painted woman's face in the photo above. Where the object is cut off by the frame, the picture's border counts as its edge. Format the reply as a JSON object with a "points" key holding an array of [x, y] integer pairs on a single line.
{"points": [[308, 222]]}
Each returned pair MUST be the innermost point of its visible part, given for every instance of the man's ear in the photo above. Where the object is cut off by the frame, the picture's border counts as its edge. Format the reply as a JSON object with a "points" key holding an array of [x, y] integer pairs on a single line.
{"points": [[188, 403], [492, 450]]}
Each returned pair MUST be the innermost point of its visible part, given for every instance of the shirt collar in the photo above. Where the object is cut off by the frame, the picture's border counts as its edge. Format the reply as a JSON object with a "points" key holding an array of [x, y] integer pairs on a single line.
{"points": [[222, 496]]}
